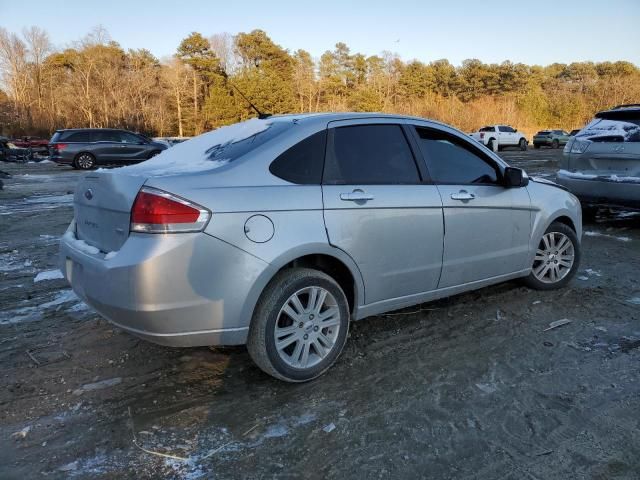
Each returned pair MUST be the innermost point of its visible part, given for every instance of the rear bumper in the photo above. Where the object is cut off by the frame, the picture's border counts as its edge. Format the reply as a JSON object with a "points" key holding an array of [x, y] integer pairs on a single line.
{"points": [[602, 190], [178, 290]]}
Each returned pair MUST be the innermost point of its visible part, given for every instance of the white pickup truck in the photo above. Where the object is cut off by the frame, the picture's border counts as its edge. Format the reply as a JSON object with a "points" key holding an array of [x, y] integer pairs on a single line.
{"points": [[496, 137]]}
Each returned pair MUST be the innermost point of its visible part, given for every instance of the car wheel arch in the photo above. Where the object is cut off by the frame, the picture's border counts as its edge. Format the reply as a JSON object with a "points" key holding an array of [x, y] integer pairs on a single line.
{"points": [[322, 257], [564, 220]]}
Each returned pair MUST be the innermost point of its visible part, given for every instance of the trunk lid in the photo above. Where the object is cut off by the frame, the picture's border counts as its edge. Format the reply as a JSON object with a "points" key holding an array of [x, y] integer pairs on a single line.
{"points": [[102, 207]]}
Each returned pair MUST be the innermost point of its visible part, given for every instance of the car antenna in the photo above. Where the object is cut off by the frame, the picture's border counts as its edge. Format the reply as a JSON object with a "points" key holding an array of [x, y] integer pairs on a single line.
{"points": [[261, 115]]}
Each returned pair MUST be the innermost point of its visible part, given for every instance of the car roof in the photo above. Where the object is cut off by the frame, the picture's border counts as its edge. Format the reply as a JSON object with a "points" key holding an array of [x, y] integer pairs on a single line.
{"points": [[325, 117]]}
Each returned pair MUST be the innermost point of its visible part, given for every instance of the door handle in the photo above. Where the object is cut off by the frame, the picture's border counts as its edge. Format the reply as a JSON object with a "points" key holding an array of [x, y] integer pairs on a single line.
{"points": [[356, 196], [463, 195]]}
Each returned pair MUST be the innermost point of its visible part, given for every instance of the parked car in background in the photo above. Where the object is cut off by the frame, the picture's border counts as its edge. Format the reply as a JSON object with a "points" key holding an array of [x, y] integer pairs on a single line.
{"points": [[601, 164], [9, 152], [550, 138], [497, 137], [84, 148], [276, 233], [36, 144], [574, 132]]}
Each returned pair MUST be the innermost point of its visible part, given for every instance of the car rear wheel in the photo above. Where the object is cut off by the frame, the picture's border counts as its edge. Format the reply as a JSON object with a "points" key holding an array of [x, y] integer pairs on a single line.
{"points": [[522, 144], [557, 258], [536, 146], [299, 326], [555, 144], [491, 145], [85, 161]]}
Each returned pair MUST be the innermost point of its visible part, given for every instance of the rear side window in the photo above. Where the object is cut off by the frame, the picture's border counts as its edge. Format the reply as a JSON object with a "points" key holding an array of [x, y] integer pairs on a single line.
{"points": [[302, 163], [454, 162], [488, 129], [369, 155], [79, 137]]}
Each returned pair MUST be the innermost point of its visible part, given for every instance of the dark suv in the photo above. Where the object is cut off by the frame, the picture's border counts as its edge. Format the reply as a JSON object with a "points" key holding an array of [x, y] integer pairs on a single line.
{"points": [[86, 147]]}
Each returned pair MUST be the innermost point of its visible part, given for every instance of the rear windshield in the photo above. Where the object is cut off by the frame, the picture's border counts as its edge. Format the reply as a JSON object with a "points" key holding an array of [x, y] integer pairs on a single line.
{"points": [[609, 130], [488, 129], [543, 132], [213, 149]]}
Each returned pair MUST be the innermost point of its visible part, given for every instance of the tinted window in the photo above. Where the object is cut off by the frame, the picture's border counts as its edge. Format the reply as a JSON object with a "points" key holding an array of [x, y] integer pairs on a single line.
{"points": [[80, 137], [452, 161], [302, 163], [488, 129], [105, 136], [369, 154], [127, 137]]}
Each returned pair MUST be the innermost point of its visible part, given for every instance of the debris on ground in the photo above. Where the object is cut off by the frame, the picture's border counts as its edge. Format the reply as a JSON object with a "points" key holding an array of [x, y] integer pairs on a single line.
{"points": [[556, 324], [21, 434], [111, 382], [329, 428]]}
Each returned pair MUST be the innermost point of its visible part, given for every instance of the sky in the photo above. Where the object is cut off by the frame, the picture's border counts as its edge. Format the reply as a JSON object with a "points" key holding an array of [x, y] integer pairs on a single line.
{"points": [[540, 32]]}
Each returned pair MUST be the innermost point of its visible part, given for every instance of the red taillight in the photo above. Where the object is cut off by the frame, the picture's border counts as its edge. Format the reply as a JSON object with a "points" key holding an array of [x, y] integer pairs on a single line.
{"points": [[59, 146], [481, 135], [156, 211]]}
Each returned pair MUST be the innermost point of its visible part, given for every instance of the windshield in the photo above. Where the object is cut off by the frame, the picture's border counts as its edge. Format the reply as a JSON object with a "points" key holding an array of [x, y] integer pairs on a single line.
{"points": [[604, 129]]}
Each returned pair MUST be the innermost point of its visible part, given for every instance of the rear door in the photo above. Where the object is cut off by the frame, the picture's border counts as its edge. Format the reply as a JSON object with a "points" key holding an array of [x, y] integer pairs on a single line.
{"points": [[487, 226], [380, 210]]}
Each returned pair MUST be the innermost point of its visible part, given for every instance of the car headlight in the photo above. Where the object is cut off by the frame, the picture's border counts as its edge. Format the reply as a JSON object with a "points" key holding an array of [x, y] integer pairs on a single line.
{"points": [[580, 146]]}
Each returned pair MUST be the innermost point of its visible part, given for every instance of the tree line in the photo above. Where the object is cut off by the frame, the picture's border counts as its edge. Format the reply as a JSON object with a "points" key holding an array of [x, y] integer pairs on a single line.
{"points": [[96, 83]]}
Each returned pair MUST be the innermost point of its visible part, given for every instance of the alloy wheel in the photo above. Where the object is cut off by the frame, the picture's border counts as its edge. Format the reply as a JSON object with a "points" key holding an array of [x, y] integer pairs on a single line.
{"points": [[307, 327], [85, 161], [554, 257]]}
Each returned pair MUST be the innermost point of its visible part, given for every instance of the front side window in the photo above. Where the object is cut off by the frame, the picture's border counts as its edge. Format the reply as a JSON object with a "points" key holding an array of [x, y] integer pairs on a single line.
{"points": [[127, 137], [369, 155], [451, 161], [504, 128]]}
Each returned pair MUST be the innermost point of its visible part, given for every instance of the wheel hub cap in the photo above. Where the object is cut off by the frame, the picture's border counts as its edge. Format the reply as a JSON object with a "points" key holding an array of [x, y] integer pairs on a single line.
{"points": [[307, 327], [554, 257]]}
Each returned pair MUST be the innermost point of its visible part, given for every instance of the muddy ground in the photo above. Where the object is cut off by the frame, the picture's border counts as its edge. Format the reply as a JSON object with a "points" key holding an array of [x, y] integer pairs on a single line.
{"points": [[467, 387]]}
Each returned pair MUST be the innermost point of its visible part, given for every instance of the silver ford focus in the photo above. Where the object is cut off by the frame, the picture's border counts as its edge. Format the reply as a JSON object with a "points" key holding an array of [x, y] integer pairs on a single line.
{"points": [[276, 233]]}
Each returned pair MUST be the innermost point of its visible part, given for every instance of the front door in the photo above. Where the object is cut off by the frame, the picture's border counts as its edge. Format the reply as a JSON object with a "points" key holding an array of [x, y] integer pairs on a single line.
{"points": [[378, 210], [487, 226]]}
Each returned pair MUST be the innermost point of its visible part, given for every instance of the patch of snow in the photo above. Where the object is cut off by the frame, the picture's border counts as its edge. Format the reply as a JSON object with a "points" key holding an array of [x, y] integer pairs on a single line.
{"points": [[110, 255], [590, 271], [276, 431], [80, 244], [634, 300], [329, 428], [193, 155], [591, 233], [68, 198], [486, 388], [48, 275], [101, 385], [64, 296]]}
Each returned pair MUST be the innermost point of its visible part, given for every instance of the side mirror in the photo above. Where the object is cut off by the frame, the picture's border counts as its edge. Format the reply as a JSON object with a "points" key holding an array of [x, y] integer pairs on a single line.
{"points": [[515, 177], [515, 130]]}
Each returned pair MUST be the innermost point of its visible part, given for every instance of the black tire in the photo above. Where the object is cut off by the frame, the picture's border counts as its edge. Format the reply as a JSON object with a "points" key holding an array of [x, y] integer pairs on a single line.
{"points": [[490, 145], [589, 213], [522, 144], [261, 342], [556, 227], [536, 146], [555, 144], [84, 161]]}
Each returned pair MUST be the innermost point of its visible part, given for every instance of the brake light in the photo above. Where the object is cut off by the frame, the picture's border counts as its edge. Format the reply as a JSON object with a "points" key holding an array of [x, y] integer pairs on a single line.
{"points": [[157, 211], [60, 146], [481, 135]]}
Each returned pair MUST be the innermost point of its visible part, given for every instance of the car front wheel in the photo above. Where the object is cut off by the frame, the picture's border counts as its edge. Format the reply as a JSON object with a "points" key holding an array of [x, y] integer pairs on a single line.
{"points": [[299, 326], [557, 258]]}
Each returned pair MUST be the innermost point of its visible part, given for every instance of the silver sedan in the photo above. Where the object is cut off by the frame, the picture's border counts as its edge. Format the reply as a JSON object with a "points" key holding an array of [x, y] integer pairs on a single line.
{"points": [[276, 233]]}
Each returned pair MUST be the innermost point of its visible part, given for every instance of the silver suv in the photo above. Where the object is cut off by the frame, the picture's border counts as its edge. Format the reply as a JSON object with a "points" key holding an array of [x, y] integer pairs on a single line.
{"points": [[277, 233], [601, 163]]}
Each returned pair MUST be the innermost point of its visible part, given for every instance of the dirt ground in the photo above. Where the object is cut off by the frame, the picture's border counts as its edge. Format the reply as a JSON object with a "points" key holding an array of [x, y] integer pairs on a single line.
{"points": [[467, 387]]}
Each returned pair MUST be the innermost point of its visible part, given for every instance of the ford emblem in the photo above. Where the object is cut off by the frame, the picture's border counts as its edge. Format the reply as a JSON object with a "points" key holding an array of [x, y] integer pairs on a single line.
{"points": [[88, 194]]}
